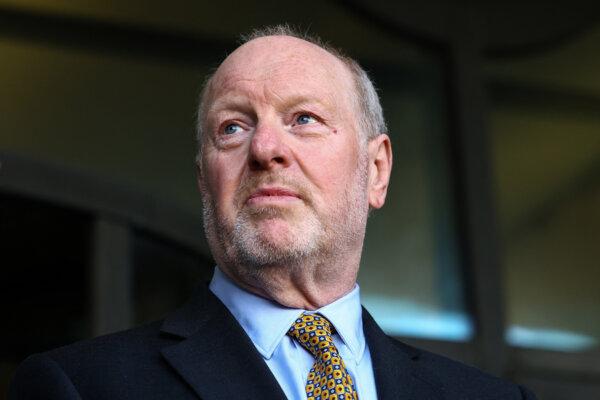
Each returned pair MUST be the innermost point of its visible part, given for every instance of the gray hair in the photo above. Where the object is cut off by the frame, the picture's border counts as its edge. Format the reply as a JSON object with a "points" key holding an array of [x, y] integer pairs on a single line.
{"points": [[371, 120]]}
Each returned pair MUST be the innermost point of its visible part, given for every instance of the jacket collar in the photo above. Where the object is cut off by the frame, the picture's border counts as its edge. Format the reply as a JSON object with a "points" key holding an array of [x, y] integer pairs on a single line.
{"points": [[216, 357], [398, 374], [267, 322], [214, 342]]}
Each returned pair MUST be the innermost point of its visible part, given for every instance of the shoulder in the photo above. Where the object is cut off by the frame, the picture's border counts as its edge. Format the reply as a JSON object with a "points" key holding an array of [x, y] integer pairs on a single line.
{"points": [[125, 365], [95, 365], [116, 348], [461, 381]]}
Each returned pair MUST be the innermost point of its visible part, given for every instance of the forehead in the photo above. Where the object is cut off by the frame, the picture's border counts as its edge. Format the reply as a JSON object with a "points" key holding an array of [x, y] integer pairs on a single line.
{"points": [[278, 65]]}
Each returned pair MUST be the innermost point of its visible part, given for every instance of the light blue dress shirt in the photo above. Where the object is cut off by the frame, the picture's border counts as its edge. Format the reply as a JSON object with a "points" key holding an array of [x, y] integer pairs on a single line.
{"points": [[267, 323]]}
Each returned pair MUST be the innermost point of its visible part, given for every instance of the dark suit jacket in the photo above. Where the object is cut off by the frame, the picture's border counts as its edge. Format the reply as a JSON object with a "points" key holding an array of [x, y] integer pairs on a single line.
{"points": [[200, 351]]}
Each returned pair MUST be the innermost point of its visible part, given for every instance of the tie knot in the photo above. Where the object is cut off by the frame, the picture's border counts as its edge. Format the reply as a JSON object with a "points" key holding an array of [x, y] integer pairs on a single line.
{"points": [[313, 332]]}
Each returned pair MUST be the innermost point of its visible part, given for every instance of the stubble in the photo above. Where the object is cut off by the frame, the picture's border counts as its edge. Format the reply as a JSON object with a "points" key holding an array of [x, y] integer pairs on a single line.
{"points": [[312, 239]]}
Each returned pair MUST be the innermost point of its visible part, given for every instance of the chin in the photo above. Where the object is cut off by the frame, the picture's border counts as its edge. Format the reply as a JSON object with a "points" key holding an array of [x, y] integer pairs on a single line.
{"points": [[276, 229], [276, 241]]}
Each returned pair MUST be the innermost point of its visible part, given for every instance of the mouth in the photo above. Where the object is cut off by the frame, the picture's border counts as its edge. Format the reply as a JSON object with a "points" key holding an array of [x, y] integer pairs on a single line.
{"points": [[272, 195]]}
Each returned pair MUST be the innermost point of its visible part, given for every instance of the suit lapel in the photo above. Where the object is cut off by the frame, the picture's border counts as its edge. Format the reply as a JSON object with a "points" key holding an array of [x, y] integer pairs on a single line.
{"points": [[219, 361], [395, 366], [216, 358]]}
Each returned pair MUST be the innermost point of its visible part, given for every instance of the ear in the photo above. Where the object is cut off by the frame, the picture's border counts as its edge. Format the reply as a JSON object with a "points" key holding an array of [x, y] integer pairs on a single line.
{"points": [[380, 169]]}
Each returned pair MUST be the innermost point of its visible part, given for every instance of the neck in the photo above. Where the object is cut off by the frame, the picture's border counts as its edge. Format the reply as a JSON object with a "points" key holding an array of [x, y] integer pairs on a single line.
{"points": [[308, 286]]}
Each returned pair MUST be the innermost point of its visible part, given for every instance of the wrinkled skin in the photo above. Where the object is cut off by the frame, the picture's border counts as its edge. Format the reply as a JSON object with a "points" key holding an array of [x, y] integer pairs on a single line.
{"points": [[286, 177]]}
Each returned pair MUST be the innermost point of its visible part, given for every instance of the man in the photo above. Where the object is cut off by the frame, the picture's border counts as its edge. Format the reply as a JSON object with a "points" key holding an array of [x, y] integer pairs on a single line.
{"points": [[292, 156]]}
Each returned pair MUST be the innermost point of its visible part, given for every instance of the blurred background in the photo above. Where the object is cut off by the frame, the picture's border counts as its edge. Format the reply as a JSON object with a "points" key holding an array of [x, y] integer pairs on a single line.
{"points": [[488, 247]]}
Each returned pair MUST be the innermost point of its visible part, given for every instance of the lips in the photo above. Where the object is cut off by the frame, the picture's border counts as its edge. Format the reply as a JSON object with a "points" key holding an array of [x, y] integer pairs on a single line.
{"points": [[272, 194]]}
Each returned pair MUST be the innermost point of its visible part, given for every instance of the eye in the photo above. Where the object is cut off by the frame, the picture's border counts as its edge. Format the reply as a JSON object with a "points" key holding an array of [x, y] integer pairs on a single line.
{"points": [[304, 119], [231, 129]]}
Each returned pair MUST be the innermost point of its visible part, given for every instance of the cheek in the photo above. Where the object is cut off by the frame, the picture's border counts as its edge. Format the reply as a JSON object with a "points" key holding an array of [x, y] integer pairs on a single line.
{"points": [[222, 179], [332, 167]]}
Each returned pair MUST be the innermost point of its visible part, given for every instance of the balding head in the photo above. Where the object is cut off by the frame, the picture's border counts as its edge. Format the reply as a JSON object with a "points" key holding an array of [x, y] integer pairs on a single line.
{"points": [[287, 174], [369, 115], [278, 63]]}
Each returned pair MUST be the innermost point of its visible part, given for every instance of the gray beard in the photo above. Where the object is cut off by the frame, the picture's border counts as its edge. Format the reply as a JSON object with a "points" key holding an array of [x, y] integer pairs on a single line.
{"points": [[255, 251], [250, 253], [311, 242]]}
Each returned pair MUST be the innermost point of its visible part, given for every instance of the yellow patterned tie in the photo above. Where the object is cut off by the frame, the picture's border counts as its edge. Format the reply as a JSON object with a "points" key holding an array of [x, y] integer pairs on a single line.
{"points": [[328, 378]]}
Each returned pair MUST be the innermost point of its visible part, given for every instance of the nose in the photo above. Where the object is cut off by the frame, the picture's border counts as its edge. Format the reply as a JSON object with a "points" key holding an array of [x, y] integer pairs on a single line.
{"points": [[269, 148]]}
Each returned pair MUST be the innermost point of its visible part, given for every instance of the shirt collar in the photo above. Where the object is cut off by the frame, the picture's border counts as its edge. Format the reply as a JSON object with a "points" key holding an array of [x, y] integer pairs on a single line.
{"points": [[267, 322]]}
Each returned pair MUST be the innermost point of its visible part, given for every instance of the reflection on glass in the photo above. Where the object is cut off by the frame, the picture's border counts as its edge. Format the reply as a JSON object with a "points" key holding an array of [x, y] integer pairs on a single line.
{"points": [[545, 125], [410, 278]]}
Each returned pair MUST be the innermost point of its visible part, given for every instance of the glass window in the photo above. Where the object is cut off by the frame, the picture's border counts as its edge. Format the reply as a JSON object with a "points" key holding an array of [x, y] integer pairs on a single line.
{"points": [[410, 276], [545, 122]]}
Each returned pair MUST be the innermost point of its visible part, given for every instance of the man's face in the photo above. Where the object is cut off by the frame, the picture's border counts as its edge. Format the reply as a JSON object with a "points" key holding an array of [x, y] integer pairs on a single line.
{"points": [[283, 171]]}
